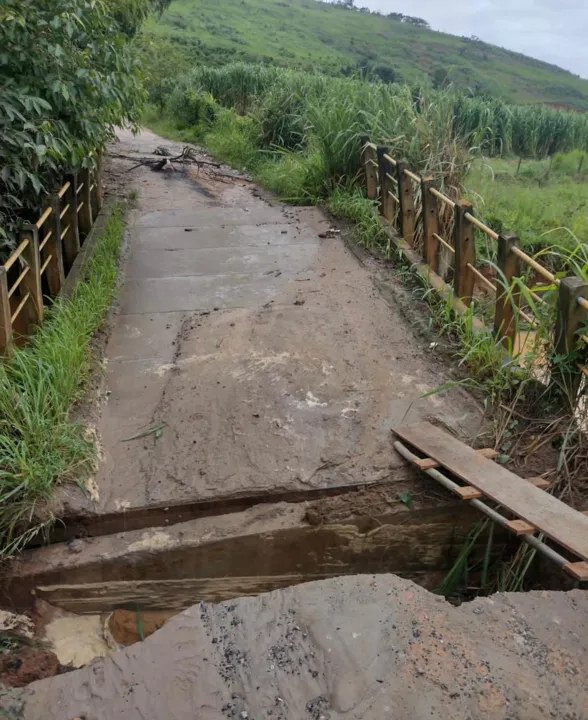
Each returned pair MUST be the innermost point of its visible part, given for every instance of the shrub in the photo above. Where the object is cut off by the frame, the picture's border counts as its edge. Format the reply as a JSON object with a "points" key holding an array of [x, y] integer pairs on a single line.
{"points": [[68, 77], [191, 108], [281, 118]]}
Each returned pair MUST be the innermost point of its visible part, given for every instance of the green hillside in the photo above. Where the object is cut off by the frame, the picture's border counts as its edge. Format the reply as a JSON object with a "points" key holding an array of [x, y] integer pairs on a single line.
{"points": [[315, 35]]}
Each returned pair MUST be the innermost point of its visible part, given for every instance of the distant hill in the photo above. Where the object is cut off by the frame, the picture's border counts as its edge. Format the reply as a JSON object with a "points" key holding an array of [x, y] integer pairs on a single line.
{"points": [[315, 35]]}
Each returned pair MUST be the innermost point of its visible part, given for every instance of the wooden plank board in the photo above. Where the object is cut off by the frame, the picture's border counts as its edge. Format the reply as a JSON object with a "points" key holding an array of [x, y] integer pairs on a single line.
{"points": [[430, 464], [489, 453], [559, 521], [179, 594], [539, 482], [427, 464]]}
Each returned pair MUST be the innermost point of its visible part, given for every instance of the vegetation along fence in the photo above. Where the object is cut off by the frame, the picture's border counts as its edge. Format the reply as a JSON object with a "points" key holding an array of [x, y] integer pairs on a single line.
{"points": [[35, 272], [438, 237]]}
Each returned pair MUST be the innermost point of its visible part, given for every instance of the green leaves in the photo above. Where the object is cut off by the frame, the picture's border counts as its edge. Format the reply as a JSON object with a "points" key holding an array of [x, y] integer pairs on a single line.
{"points": [[68, 77], [40, 444], [406, 498]]}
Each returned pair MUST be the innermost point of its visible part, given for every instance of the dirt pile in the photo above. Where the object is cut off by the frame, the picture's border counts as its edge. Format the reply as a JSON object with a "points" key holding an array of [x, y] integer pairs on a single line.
{"points": [[355, 648]]}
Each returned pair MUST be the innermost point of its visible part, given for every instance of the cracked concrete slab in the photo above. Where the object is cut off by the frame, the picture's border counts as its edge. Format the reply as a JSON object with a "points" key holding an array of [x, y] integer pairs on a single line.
{"points": [[264, 351], [221, 216], [221, 261], [246, 236]]}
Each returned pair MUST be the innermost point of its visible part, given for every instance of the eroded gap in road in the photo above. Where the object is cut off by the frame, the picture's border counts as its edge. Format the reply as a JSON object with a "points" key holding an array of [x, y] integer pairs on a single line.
{"points": [[94, 595], [166, 569]]}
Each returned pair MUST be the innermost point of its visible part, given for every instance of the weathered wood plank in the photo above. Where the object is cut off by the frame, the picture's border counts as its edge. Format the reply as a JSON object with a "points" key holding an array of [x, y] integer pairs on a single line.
{"points": [[430, 464], [261, 541], [561, 523], [427, 464], [538, 482], [163, 594]]}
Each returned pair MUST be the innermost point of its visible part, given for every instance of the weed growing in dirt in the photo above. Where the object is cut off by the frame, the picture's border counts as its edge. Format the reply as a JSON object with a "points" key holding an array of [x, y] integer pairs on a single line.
{"points": [[349, 203], [40, 384]]}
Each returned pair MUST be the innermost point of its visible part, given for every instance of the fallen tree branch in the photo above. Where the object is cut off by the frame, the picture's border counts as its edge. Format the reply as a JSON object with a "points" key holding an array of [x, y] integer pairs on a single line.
{"points": [[152, 161], [186, 157]]}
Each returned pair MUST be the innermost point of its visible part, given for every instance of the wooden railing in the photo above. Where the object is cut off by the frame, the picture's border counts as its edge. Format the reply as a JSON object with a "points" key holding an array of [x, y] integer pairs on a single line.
{"points": [[35, 272], [442, 233]]}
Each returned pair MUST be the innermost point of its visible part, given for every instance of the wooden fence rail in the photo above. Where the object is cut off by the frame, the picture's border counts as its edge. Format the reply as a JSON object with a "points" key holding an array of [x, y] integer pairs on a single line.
{"points": [[442, 232], [35, 272]]}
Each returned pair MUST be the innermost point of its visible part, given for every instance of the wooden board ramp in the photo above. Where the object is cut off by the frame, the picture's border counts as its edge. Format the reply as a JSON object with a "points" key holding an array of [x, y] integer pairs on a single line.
{"points": [[524, 499]]}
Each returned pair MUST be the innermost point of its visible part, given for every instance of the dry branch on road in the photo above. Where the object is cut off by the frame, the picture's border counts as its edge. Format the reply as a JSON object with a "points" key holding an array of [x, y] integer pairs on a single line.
{"points": [[186, 157]]}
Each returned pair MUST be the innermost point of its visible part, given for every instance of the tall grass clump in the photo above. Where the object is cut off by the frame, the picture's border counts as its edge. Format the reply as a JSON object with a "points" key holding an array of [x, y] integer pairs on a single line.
{"points": [[527, 131], [324, 119], [40, 384], [350, 204]]}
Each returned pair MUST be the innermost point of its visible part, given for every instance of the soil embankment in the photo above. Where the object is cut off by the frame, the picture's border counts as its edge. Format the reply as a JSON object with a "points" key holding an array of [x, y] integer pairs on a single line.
{"points": [[356, 648]]}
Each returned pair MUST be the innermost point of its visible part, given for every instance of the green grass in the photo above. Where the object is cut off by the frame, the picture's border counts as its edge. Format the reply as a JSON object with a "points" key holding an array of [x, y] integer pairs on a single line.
{"points": [[546, 209], [349, 203], [300, 135], [313, 35], [40, 384]]}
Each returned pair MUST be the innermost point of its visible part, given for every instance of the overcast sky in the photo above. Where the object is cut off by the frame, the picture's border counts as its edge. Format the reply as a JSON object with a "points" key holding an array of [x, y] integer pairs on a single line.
{"points": [[551, 30]]}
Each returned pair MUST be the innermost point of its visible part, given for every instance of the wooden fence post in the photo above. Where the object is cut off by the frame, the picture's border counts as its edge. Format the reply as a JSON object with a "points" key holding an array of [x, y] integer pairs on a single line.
{"points": [[84, 202], [51, 248], [571, 318], [370, 167], [464, 242], [71, 237], [384, 182], [97, 193], [5, 321], [31, 283], [507, 301], [430, 224], [406, 201]]}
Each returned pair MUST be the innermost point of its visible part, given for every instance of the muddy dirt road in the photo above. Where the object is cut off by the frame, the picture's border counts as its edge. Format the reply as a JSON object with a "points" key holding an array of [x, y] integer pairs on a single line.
{"points": [[252, 375], [262, 351]]}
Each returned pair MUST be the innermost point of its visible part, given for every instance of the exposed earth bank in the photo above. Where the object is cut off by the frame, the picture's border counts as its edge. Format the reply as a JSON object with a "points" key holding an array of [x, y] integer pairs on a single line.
{"points": [[356, 648]]}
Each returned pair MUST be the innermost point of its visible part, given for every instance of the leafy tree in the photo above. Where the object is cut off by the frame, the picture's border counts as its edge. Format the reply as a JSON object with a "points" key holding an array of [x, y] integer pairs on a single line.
{"points": [[68, 77], [441, 78], [385, 73], [419, 22], [129, 14], [162, 63]]}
